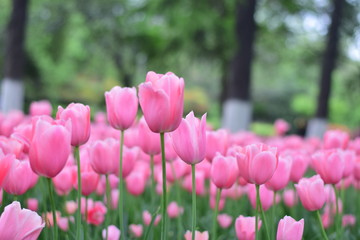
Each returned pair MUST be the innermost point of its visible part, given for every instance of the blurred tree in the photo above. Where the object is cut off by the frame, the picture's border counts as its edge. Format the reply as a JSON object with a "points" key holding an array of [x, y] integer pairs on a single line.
{"points": [[317, 126], [12, 89], [237, 108]]}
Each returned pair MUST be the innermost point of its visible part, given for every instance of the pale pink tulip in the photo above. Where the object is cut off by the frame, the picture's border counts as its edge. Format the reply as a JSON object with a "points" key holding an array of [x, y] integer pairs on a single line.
{"points": [[113, 233], [224, 220], [136, 230], [42, 107], [311, 192], [224, 171], [174, 210], [329, 165], [266, 196], [104, 156], [281, 127], [217, 141], [290, 198], [135, 183], [198, 235], [348, 220], [63, 182], [290, 229], [336, 139], [280, 179], [148, 141], [245, 228], [32, 204]]}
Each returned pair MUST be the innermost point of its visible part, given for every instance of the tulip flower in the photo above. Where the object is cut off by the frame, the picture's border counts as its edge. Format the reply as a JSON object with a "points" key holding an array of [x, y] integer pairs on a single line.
{"points": [[281, 176], [17, 223], [39, 108], [136, 230], [245, 228], [224, 220], [336, 139], [329, 165], [197, 236], [289, 229], [217, 141], [111, 233], [121, 107], [174, 210], [281, 127], [104, 156], [32, 204]]}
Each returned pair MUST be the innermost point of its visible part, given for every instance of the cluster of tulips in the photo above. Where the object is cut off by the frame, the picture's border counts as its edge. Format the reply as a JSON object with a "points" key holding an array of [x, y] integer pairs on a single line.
{"points": [[100, 171]]}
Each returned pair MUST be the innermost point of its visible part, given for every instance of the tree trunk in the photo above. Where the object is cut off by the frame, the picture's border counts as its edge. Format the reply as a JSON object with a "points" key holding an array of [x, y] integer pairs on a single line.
{"points": [[12, 91], [327, 68], [237, 108]]}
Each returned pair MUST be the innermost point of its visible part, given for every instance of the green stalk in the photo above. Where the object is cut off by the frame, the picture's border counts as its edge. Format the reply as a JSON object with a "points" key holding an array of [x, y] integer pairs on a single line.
{"points": [[178, 199], [257, 213], [337, 218], [193, 202], [262, 212], [153, 187], [153, 217], [323, 233], [86, 217], [52, 202], [273, 215], [218, 194], [108, 202], [163, 202], [121, 187], [78, 213]]}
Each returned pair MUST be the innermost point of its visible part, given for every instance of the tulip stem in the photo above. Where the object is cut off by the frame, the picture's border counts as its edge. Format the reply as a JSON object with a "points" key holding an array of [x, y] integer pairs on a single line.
{"points": [[78, 213], [338, 217], [218, 194], [164, 204], [193, 202], [273, 215], [153, 217], [108, 202], [86, 217], [323, 233], [55, 230], [121, 187], [257, 213], [262, 211], [153, 188], [178, 199]]}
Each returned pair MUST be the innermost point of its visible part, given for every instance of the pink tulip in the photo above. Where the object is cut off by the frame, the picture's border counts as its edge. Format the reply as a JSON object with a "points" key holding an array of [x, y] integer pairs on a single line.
{"points": [[89, 179], [129, 159], [329, 165], [349, 162], [336, 139], [12, 119], [14, 182], [257, 163], [104, 156], [32, 204], [327, 219], [18, 224], [311, 192], [113, 233], [6, 163], [224, 220], [149, 141], [136, 183], [173, 210], [147, 218], [266, 196], [63, 182], [42, 107], [217, 141], [356, 171], [224, 171], [79, 115], [71, 207], [348, 220], [200, 183], [245, 228], [221, 203], [198, 235], [50, 148], [281, 127], [280, 179], [136, 230], [121, 107], [290, 198], [289, 229], [189, 139], [162, 101], [96, 213], [299, 166]]}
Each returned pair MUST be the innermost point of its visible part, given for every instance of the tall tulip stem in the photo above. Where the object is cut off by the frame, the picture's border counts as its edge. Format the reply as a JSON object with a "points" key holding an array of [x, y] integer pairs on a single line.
{"points": [[178, 199], [121, 187], [153, 187], [78, 213], [338, 215], [218, 194], [163, 202], [323, 233], [262, 211], [52, 202], [193, 202], [108, 202]]}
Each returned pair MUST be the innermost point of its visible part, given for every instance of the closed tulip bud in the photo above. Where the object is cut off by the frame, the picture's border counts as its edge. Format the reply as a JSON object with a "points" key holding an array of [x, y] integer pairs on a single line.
{"points": [[329, 165], [71, 207], [257, 163], [311, 192], [32, 204], [113, 233], [289, 229], [299, 166], [6, 163], [130, 156], [104, 156], [224, 220], [336, 139], [224, 171], [162, 101], [50, 148], [349, 162], [281, 127], [121, 107], [148, 141], [39, 108], [79, 115], [245, 228], [189, 140], [348, 220], [217, 141], [281, 176], [290, 198], [136, 230], [135, 183], [173, 210], [63, 182], [17, 223], [198, 235]]}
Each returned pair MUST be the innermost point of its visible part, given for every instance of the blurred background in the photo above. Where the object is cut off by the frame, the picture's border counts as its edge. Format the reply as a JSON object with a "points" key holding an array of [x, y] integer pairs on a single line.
{"points": [[245, 62]]}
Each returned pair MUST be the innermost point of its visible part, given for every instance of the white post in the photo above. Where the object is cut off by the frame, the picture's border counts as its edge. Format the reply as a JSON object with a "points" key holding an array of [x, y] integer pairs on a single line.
{"points": [[316, 127], [237, 115], [12, 95]]}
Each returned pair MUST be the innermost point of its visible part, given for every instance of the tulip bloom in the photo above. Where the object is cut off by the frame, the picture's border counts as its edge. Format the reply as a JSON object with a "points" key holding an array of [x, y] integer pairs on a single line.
{"points": [[245, 228], [113, 233], [50, 148], [266, 196], [281, 176], [148, 141], [18, 224], [311, 192], [174, 210], [104, 156], [329, 165], [162, 101], [336, 139], [281, 127], [79, 115], [189, 140], [136, 230], [224, 171], [42, 107], [217, 141], [198, 235], [224, 220], [257, 163], [289, 229], [121, 107]]}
